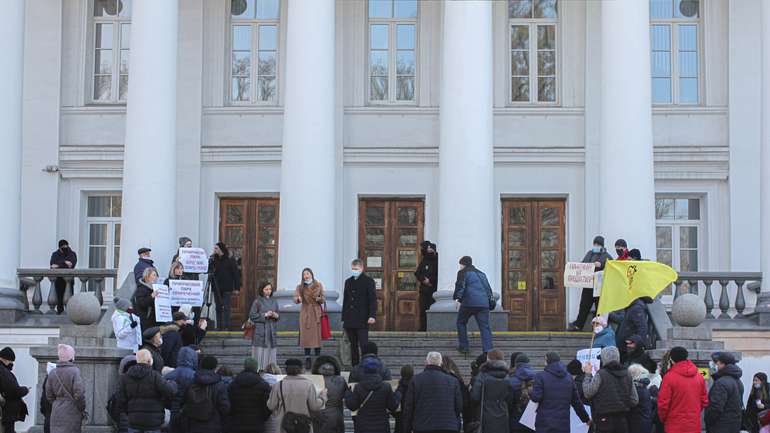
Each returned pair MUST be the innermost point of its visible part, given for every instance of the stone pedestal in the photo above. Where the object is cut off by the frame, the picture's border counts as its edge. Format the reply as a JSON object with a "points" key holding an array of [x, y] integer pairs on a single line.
{"points": [[762, 310], [442, 315], [11, 305], [696, 340], [98, 359]]}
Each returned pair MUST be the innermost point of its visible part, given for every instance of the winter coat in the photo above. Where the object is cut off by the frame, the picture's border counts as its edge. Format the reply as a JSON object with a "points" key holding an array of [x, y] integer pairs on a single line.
{"points": [[312, 297], [172, 342], [14, 408], [59, 258], [640, 416], [724, 413], [183, 375], [634, 323], [605, 338], [357, 372], [294, 394], [522, 380], [142, 394], [751, 412], [373, 416], [191, 334], [225, 273], [602, 256], [428, 268], [639, 355], [144, 305], [433, 402], [611, 391], [65, 391], [494, 394], [128, 337], [157, 358], [265, 330], [555, 392], [402, 389], [139, 268], [472, 288], [220, 400], [332, 416], [359, 302], [681, 398], [248, 396]]}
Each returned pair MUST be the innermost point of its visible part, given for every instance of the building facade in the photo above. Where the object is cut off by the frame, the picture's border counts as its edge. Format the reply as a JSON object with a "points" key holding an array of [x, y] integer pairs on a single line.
{"points": [[310, 132]]}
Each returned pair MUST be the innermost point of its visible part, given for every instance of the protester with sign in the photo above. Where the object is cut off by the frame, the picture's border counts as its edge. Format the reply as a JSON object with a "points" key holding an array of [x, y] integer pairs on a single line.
{"points": [[598, 256], [162, 306], [185, 292], [611, 392], [264, 315], [605, 336], [194, 260], [144, 298]]}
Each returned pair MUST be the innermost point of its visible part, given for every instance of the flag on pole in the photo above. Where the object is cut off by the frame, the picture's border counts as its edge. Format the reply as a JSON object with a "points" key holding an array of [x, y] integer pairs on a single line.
{"points": [[627, 280]]}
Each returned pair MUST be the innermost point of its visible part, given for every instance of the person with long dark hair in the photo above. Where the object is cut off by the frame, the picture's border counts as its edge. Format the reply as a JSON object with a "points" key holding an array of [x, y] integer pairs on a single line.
{"points": [[310, 293], [759, 400], [264, 315], [226, 281]]}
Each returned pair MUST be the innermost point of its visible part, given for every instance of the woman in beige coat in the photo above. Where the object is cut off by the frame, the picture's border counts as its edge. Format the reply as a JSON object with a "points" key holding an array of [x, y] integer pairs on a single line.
{"points": [[310, 293], [295, 394]]}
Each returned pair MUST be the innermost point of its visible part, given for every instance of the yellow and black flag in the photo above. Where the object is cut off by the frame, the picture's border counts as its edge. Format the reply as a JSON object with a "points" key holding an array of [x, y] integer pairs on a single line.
{"points": [[627, 280]]}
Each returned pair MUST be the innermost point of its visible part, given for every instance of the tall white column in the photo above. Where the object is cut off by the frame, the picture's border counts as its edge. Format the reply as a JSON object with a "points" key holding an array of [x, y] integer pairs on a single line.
{"points": [[12, 73], [627, 187], [764, 173], [466, 167], [307, 237], [149, 161]]}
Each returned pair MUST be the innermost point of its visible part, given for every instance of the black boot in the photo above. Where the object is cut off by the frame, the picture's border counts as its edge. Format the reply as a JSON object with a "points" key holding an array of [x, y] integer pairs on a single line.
{"points": [[308, 364]]}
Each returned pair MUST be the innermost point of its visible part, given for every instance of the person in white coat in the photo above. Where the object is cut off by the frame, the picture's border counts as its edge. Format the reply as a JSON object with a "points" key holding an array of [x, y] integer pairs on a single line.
{"points": [[126, 326]]}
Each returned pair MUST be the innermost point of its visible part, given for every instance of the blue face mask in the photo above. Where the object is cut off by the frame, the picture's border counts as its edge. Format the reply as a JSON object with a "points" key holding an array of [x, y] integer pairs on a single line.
{"points": [[355, 273], [308, 282], [596, 249]]}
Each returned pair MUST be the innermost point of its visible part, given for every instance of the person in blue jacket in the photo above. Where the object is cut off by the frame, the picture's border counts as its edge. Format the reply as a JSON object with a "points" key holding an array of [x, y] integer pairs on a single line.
{"points": [[472, 296], [554, 390], [605, 336]]}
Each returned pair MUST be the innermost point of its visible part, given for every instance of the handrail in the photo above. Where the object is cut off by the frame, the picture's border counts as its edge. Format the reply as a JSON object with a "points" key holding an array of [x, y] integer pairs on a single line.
{"points": [[32, 277]]}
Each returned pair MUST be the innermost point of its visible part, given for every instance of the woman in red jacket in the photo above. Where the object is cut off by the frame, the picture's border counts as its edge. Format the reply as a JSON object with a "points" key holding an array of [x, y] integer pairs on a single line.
{"points": [[682, 395]]}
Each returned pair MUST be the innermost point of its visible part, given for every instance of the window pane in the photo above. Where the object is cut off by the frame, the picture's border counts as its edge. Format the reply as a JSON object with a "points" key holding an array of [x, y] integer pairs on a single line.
{"points": [[103, 36], [688, 237], [688, 90], [546, 89], [407, 258], [124, 57], [688, 37], [267, 214], [124, 8], [546, 37], [405, 90], [242, 38], [664, 256], [661, 90], [663, 237], [241, 63], [116, 240], [520, 8], [97, 257], [661, 37], [520, 62], [520, 37], [520, 89], [117, 206], [660, 9], [97, 234], [266, 88], [98, 206], [546, 63], [661, 64], [405, 63], [405, 8], [103, 88], [242, 8], [268, 37], [688, 260], [693, 209], [103, 62], [682, 208], [378, 88], [375, 216], [266, 63], [405, 37], [125, 35], [123, 87], [545, 9], [378, 63], [267, 9], [375, 237], [378, 37], [688, 64], [664, 208], [686, 9], [241, 89], [380, 8], [105, 8]]}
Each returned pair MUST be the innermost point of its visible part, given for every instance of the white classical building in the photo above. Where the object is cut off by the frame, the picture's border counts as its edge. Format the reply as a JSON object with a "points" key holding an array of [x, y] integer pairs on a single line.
{"points": [[309, 132]]}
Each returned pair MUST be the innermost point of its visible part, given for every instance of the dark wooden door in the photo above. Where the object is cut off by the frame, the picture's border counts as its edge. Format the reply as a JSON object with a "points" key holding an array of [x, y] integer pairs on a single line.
{"points": [[389, 235], [249, 227], [533, 263]]}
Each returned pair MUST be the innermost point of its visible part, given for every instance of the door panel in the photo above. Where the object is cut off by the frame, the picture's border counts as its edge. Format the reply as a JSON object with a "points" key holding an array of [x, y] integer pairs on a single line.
{"points": [[533, 263], [390, 233]]}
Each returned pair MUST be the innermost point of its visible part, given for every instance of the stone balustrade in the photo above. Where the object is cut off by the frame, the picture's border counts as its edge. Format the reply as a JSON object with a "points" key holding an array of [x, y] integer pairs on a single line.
{"points": [[78, 280], [724, 293]]}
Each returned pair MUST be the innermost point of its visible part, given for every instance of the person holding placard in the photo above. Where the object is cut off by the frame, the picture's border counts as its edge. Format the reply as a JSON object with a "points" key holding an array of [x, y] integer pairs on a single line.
{"points": [[143, 299], [310, 293], [264, 315], [597, 255]]}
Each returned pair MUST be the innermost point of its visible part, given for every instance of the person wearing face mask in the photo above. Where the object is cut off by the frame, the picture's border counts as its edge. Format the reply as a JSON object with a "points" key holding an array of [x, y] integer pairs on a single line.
{"points": [[597, 255], [605, 336], [724, 413], [153, 340], [143, 263], [427, 276], [63, 258], [758, 401], [359, 308], [14, 408], [310, 293], [621, 249], [332, 419]]}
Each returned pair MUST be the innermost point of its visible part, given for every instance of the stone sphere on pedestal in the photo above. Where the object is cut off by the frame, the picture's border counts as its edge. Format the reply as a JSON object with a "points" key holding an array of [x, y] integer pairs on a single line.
{"points": [[83, 308], [688, 310]]}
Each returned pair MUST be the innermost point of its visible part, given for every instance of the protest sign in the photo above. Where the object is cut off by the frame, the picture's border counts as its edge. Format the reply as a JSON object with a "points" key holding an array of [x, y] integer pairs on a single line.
{"points": [[590, 355], [598, 282], [186, 292], [579, 275], [162, 303], [576, 425], [530, 414], [194, 260]]}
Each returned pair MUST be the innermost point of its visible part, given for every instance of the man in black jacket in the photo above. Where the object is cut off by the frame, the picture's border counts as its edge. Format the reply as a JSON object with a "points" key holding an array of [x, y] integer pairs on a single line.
{"points": [[725, 410], [359, 308], [142, 395], [635, 354], [226, 281], [427, 277], [63, 258], [634, 323], [248, 395], [611, 392], [597, 255], [14, 409], [433, 401]]}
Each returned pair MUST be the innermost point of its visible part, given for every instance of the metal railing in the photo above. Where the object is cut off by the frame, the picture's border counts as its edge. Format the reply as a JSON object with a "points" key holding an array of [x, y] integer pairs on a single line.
{"points": [[732, 287], [82, 280]]}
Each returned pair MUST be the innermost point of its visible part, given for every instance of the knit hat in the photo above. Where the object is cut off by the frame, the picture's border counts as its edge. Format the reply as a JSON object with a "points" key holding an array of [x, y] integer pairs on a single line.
{"points": [[150, 332], [370, 365], [679, 354], [8, 354], [251, 364], [621, 243], [552, 357], [610, 354], [66, 353], [723, 357], [574, 367], [601, 320], [122, 304], [370, 348], [293, 362], [466, 260], [599, 240], [209, 362], [522, 358]]}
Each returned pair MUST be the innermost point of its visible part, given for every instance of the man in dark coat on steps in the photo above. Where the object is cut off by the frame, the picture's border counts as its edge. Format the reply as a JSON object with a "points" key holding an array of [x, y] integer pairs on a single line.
{"points": [[359, 308], [555, 392], [725, 410], [433, 401], [427, 277]]}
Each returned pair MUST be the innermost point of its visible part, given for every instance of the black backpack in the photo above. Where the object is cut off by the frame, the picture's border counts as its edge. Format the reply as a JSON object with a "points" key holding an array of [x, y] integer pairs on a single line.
{"points": [[198, 403]]}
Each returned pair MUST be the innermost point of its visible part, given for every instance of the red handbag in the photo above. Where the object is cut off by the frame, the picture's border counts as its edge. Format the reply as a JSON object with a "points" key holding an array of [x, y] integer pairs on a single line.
{"points": [[326, 327]]}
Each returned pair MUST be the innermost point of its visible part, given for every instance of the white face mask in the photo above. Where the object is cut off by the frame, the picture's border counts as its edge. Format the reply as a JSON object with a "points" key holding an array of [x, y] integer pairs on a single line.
{"points": [[598, 329]]}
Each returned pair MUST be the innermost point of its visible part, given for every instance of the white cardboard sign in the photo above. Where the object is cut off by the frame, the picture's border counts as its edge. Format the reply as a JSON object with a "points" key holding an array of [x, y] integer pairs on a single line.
{"points": [[592, 356], [186, 292], [579, 275], [194, 260], [162, 304]]}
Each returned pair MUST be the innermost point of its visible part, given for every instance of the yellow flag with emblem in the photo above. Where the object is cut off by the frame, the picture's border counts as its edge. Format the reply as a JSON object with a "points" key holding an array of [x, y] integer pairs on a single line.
{"points": [[627, 280]]}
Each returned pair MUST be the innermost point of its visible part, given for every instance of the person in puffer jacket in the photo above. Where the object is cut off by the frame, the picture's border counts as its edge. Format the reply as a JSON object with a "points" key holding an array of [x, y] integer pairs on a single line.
{"points": [[142, 394], [217, 390], [494, 393], [183, 375], [682, 395], [640, 416], [373, 399], [521, 380], [724, 413], [555, 392]]}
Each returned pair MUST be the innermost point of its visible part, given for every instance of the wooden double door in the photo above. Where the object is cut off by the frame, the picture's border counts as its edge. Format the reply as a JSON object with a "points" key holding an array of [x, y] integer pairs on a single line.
{"points": [[389, 235], [533, 251], [249, 228]]}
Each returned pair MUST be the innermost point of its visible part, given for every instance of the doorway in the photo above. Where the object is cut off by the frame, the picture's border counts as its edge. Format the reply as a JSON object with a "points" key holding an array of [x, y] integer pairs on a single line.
{"points": [[249, 228], [390, 231], [533, 248]]}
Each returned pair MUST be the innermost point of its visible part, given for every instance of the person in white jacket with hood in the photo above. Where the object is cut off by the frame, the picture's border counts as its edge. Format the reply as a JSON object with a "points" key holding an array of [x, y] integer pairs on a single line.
{"points": [[125, 325]]}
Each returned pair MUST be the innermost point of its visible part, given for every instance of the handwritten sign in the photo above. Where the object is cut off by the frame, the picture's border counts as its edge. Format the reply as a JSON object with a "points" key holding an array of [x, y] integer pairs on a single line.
{"points": [[579, 275], [186, 292], [592, 356], [194, 260], [598, 282], [162, 304]]}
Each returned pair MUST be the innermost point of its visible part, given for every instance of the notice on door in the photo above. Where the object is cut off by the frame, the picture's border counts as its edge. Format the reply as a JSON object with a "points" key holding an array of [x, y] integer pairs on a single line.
{"points": [[579, 275], [184, 292], [162, 303], [194, 260]]}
